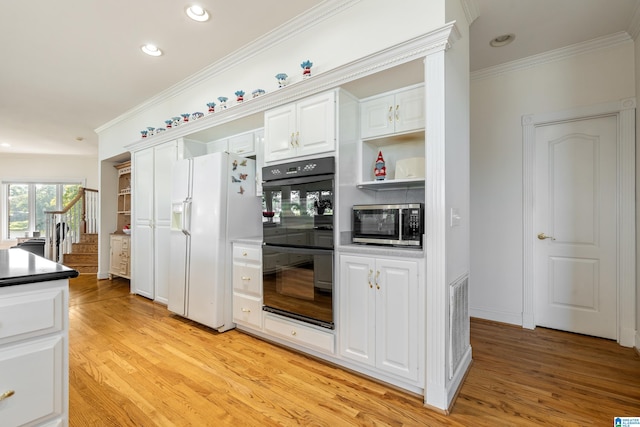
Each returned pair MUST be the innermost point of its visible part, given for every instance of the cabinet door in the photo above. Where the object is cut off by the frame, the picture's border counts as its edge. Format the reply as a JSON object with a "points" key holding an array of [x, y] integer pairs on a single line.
{"points": [[243, 144], [376, 116], [397, 317], [116, 254], [165, 156], [279, 133], [142, 224], [357, 309], [316, 124], [409, 110]]}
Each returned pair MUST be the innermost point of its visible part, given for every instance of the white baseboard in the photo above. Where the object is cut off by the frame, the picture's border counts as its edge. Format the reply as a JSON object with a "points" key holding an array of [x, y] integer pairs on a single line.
{"points": [[496, 316]]}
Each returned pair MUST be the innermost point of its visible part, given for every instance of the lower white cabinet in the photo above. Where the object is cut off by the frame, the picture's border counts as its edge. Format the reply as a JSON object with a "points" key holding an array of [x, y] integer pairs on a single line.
{"points": [[247, 284], [119, 265], [379, 318], [34, 354]]}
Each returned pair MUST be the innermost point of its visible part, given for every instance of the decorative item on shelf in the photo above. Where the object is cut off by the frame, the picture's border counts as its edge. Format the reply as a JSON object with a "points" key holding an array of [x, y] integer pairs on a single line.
{"points": [[256, 93], [158, 130], [306, 69], [176, 121], [282, 79], [212, 107], [379, 170], [126, 229], [144, 133], [197, 115], [151, 130], [169, 123], [239, 95], [223, 101], [185, 117]]}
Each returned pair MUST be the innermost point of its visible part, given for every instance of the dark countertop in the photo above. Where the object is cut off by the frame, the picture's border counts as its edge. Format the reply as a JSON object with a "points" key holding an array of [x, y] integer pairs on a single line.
{"points": [[18, 267]]}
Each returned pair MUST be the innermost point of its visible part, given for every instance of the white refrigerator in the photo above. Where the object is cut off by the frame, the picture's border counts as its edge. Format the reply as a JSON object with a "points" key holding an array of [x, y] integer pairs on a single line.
{"points": [[213, 202]]}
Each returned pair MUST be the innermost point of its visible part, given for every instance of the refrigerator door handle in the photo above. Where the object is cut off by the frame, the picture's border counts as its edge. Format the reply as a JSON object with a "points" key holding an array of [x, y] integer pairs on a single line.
{"points": [[186, 217]]}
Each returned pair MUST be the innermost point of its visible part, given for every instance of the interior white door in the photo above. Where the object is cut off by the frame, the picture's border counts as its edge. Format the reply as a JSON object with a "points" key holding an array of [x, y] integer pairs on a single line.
{"points": [[575, 216]]}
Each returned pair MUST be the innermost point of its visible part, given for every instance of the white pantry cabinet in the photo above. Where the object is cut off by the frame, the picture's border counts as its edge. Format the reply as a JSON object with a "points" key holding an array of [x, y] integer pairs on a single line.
{"points": [[302, 128], [379, 303], [393, 112], [150, 254]]}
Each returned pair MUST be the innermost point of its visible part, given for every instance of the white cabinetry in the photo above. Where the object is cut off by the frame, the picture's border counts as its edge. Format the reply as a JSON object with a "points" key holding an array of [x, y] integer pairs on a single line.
{"points": [[34, 354], [393, 112], [152, 218], [303, 128], [393, 124], [120, 245], [379, 319], [247, 284]]}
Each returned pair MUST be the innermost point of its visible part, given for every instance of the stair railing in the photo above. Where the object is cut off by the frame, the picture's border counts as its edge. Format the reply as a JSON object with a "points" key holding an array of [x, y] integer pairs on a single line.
{"points": [[64, 227]]}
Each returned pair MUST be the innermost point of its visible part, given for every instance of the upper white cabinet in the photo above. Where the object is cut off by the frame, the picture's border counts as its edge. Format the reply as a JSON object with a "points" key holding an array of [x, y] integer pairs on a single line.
{"points": [[150, 258], [379, 314], [302, 128], [393, 112]]}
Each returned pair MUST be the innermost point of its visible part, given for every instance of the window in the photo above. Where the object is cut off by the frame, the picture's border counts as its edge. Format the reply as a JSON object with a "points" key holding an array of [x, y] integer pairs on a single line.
{"points": [[27, 203]]}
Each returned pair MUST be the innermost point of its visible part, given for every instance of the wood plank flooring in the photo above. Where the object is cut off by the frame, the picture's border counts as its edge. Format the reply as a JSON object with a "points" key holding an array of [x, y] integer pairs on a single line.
{"points": [[133, 363]]}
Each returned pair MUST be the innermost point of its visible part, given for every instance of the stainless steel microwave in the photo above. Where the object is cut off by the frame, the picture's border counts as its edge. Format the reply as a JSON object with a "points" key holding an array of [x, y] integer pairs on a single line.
{"points": [[393, 225]]}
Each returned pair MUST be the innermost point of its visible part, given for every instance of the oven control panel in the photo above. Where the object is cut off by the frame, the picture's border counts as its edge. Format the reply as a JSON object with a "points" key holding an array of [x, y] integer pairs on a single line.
{"points": [[321, 166]]}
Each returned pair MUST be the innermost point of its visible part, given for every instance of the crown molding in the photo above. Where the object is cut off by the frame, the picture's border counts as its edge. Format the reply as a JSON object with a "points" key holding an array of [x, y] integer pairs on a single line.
{"points": [[553, 55], [292, 28], [634, 25], [471, 10]]}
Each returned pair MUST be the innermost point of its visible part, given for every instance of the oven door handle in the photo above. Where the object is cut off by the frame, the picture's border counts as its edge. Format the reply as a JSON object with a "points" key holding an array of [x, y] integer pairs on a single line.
{"points": [[296, 180], [297, 250]]}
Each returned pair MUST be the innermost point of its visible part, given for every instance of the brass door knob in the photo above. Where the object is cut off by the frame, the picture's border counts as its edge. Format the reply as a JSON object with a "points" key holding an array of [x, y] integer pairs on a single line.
{"points": [[543, 236]]}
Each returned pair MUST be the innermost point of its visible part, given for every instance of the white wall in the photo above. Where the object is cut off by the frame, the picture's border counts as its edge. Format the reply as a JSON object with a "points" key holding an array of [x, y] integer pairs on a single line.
{"points": [[498, 102], [46, 168]]}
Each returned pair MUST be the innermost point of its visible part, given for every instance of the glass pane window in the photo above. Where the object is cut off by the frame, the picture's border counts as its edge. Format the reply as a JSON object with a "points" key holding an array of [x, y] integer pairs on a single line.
{"points": [[45, 198], [18, 210]]}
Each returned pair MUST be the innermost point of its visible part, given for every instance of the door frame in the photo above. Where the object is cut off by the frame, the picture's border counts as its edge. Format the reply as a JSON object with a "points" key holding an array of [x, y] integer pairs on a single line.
{"points": [[624, 111]]}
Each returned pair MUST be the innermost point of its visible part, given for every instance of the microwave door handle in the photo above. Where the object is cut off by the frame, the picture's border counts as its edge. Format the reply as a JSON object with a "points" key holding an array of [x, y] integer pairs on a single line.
{"points": [[400, 223]]}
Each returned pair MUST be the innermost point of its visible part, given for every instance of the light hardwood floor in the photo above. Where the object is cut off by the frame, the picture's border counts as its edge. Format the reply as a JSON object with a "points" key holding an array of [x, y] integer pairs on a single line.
{"points": [[133, 363]]}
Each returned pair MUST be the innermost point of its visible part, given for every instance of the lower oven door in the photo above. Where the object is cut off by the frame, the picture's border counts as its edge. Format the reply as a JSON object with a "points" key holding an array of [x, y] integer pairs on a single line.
{"points": [[298, 283]]}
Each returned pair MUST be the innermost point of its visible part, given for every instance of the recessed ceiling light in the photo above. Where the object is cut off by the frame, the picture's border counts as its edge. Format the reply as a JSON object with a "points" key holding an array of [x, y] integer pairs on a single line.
{"points": [[151, 49], [502, 40], [197, 13]]}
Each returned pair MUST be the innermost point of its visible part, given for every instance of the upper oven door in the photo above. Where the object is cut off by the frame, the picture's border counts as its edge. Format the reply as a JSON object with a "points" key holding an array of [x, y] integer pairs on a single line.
{"points": [[376, 225], [302, 212]]}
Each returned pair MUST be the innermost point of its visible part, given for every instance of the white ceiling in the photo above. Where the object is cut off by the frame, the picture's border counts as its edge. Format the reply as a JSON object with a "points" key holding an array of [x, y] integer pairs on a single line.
{"points": [[68, 67]]}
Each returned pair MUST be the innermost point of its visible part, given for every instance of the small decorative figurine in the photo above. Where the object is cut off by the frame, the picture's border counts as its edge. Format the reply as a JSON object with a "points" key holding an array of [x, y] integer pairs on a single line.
{"points": [[239, 95], [176, 121], [197, 115], [282, 79], [185, 117], [158, 130], [144, 133], [234, 179], [212, 107], [223, 101], [306, 69], [379, 170], [256, 93], [151, 130], [168, 122]]}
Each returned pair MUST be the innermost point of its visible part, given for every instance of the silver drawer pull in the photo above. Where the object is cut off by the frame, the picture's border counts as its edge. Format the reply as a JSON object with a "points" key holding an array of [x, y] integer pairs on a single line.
{"points": [[6, 395], [294, 333]]}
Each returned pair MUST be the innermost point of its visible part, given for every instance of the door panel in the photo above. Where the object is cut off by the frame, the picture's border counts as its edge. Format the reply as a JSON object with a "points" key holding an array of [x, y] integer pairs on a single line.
{"points": [[575, 207]]}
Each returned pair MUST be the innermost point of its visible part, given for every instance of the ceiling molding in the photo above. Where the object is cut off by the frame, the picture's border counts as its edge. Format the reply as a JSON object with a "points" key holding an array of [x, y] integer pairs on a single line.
{"points": [[553, 55], [471, 10], [634, 25], [293, 28]]}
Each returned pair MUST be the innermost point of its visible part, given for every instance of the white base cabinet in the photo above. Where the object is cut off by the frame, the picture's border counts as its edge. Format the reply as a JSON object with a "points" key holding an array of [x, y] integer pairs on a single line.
{"points": [[34, 361], [247, 284], [120, 245], [379, 318]]}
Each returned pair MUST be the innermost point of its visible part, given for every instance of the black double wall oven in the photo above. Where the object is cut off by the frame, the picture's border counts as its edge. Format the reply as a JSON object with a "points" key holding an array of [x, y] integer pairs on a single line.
{"points": [[297, 252]]}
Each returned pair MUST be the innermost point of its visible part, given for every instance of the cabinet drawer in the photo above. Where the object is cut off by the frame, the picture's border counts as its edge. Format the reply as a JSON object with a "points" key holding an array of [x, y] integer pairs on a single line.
{"points": [[247, 254], [247, 279], [34, 372], [31, 314], [242, 144], [300, 334], [247, 311]]}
